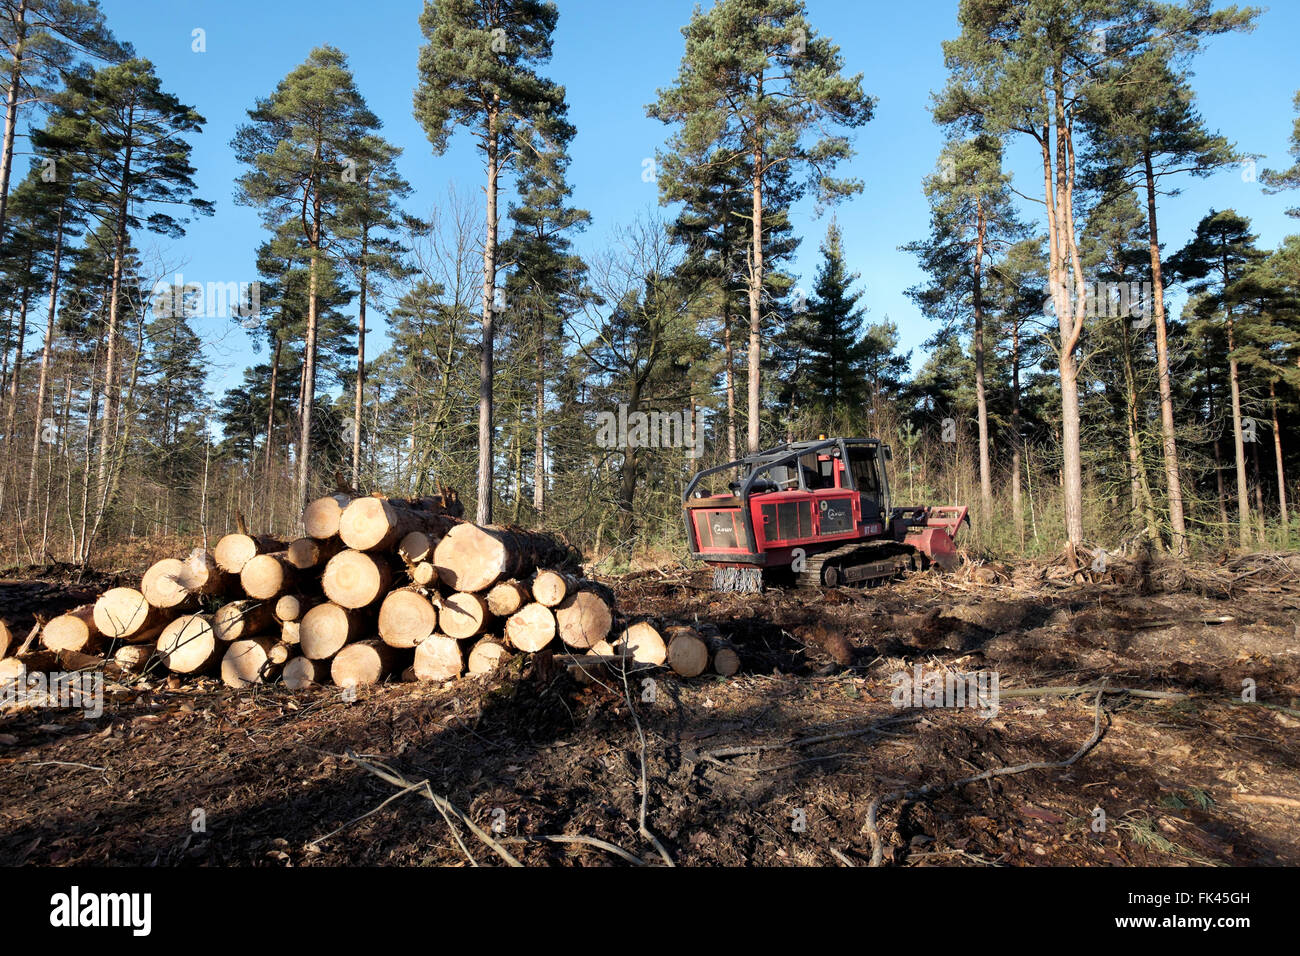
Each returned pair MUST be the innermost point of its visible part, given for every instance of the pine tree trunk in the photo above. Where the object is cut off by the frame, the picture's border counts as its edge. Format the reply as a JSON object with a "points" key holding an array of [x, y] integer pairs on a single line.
{"points": [[1238, 439], [108, 423], [1069, 317], [47, 352], [361, 366], [308, 387], [539, 403], [729, 357], [14, 380], [11, 111], [1143, 503], [981, 402], [1016, 507], [1281, 472], [484, 511], [270, 415], [1169, 443], [1259, 491], [756, 299]]}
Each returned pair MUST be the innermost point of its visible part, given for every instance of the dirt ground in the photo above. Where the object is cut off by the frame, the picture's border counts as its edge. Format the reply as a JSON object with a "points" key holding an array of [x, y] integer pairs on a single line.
{"points": [[776, 766]]}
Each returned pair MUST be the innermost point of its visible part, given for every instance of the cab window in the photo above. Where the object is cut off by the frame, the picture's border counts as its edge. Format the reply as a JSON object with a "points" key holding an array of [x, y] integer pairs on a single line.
{"points": [[817, 474], [866, 476]]}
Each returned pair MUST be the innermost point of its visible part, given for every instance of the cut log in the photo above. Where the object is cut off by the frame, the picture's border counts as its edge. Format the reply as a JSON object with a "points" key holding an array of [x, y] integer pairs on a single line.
{"points": [[6, 639], [133, 657], [552, 587], [643, 643], [74, 631], [188, 645], [267, 576], [321, 518], [365, 663], [163, 588], [240, 619], [289, 633], [374, 524], [471, 558], [688, 654], [202, 575], [306, 554], [325, 629], [355, 579], [424, 574], [303, 672], [415, 547], [487, 655], [45, 662], [507, 597], [248, 661], [438, 658], [464, 615], [280, 653], [531, 628], [124, 614], [406, 618], [291, 607], [234, 551], [584, 619], [726, 662]]}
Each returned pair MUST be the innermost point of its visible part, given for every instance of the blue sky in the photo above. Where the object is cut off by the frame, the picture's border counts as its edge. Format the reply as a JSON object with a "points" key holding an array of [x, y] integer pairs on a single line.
{"points": [[612, 56]]}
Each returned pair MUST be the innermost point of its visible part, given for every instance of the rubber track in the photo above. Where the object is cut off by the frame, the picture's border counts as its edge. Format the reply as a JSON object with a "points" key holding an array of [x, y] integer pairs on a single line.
{"points": [[852, 555]]}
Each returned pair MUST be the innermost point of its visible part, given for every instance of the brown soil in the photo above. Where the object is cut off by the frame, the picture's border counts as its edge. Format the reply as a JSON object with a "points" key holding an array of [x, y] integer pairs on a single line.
{"points": [[200, 775]]}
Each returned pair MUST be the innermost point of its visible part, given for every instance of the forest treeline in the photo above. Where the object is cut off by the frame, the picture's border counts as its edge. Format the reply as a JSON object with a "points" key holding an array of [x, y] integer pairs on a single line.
{"points": [[1058, 395]]}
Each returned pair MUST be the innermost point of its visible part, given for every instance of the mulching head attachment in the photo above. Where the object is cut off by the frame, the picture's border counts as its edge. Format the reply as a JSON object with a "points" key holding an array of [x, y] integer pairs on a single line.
{"points": [[739, 580]]}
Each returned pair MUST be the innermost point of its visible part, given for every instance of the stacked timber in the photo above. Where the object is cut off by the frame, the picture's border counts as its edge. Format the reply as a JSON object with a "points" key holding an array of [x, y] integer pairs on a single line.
{"points": [[377, 589]]}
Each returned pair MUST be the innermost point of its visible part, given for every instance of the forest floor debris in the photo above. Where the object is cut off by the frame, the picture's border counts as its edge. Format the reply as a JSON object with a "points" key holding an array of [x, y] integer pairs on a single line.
{"points": [[779, 765]]}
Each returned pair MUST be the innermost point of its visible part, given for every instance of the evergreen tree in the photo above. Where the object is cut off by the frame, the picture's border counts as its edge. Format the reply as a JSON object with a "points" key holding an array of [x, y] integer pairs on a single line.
{"points": [[972, 221], [478, 71], [1276, 181], [302, 146], [1216, 263], [835, 377], [757, 84]]}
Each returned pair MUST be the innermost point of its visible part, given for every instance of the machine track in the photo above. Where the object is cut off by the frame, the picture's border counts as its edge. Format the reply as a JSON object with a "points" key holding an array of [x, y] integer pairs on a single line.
{"points": [[859, 564]]}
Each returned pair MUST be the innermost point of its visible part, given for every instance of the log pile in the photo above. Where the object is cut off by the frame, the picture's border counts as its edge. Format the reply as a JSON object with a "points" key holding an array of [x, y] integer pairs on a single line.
{"points": [[378, 589]]}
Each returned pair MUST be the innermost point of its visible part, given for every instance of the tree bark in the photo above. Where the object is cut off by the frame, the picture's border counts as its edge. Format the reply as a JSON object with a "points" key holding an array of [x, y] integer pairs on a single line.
{"points": [[1168, 435], [484, 511], [1277, 452]]}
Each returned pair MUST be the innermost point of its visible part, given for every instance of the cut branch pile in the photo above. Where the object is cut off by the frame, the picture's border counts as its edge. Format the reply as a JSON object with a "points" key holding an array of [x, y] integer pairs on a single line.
{"points": [[379, 589]]}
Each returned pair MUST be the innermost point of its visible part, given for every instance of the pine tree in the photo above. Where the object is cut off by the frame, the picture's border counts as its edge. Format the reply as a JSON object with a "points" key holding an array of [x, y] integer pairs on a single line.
{"points": [[368, 224], [1023, 67], [972, 221], [1276, 181], [1145, 130], [1216, 263], [835, 376], [302, 149], [478, 71], [547, 284], [757, 84], [40, 41], [135, 158]]}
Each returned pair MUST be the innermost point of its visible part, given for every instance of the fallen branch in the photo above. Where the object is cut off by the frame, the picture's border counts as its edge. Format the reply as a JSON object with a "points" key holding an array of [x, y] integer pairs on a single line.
{"points": [[1267, 800], [1063, 691], [873, 832], [584, 840], [444, 805], [645, 785], [713, 755]]}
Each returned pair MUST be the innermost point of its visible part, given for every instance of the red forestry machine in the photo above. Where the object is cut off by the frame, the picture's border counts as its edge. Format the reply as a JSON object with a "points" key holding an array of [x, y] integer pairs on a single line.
{"points": [[814, 513]]}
